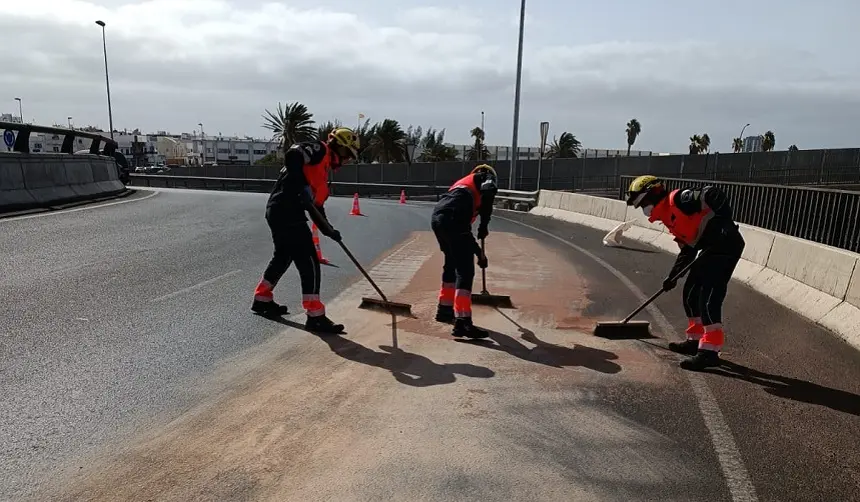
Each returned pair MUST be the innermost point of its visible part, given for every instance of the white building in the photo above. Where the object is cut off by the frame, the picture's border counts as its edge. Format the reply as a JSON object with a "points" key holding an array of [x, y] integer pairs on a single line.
{"points": [[502, 153], [227, 150], [8, 117]]}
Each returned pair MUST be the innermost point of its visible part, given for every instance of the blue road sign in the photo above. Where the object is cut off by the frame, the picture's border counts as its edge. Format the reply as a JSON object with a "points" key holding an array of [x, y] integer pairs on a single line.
{"points": [[9, 138]]}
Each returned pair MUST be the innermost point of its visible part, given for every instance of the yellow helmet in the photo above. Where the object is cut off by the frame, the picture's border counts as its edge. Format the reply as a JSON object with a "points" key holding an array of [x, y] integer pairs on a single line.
{"points": [[485, 167], [645, 190], [344, 137]]}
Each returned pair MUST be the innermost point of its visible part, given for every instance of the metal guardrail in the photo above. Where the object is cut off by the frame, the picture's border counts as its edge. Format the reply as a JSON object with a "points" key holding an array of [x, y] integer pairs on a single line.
{"points": [[826, 216], [22, 139], [337, 187]]}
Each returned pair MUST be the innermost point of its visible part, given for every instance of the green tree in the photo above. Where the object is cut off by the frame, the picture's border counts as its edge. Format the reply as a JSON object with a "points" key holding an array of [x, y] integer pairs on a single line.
{"points": [[478, 151], [565, 146], [325, 128], [695, 144], [793, 148], [737, 145], [768, 141], [434, 149], [365, 133], [388, 144], [292, 125], [413, 141], [634, 128], [705, 143], [270, 159]]}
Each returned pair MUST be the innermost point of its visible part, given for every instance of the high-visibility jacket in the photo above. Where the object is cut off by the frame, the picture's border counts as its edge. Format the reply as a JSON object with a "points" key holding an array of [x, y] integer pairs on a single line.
{"points": [[306, 168], [468, 183], [687, 228]]}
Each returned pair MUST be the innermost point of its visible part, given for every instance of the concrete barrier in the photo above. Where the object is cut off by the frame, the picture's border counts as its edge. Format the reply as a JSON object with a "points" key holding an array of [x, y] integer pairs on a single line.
{"points": [[30, 181], [820, 282]]}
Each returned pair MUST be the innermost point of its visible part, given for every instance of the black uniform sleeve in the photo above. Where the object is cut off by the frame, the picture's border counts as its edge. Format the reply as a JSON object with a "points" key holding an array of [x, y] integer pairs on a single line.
{"points": [[685, 257], [689, 201]]}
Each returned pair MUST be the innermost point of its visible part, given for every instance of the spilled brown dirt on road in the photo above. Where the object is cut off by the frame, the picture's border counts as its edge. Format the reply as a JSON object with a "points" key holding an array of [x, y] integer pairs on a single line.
{"points": [[522, 416]]}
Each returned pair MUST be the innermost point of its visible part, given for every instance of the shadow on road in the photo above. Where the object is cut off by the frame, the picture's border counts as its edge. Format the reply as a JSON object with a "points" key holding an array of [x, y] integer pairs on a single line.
{"points": [[408, 368], [792, 388], [549, 354]]}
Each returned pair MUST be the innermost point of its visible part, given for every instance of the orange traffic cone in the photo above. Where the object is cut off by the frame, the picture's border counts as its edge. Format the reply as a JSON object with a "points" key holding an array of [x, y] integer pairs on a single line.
{"points": [[356, 211], [403, 196], [316, 237]]}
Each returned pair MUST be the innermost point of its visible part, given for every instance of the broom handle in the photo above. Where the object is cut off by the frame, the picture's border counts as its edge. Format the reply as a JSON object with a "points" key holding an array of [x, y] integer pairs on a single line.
{"points": [[483, 270], [658, 293], [325, 222]]}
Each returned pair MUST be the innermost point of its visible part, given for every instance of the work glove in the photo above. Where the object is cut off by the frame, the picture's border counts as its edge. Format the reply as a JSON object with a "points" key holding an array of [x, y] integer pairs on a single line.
{"points": [[333, 235], [669, 284], [482, 260], [483, 232]]}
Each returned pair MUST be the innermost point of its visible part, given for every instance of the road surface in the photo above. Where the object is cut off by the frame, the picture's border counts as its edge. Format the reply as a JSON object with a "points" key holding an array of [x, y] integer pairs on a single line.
{"points": [[132, 370]]}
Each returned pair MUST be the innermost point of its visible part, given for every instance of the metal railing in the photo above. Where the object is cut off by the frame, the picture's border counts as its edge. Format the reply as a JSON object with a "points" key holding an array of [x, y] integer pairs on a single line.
{"points": [[346, 188], [826, 216], [22, 139]]}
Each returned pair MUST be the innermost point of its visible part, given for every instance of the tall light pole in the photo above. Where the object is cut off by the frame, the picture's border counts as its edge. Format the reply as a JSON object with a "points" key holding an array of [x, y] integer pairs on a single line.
{"points": [[514, 152], [742, 134], [107, 78], [20, 109]]}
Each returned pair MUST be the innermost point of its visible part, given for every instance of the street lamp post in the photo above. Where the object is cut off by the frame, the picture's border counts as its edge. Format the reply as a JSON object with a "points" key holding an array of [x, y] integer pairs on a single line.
{"points": [[202, 145], [742, 133], [107, 78], [20, 109], [514, 153]]}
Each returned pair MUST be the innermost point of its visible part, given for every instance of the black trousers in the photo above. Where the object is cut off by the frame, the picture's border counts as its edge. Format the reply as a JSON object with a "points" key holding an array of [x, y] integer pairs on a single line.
{"points": [[294, 243], [458, 248], [706, 286]]}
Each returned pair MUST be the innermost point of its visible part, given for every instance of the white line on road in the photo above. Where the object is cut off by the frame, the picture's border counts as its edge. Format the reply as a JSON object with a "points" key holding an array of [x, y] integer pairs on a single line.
{"points": [[731, 463], [85, 208], [196, 286]]}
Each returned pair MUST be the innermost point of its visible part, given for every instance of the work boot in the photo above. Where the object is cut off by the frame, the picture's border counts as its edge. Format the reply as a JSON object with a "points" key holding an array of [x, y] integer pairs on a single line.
{"points": [[445, 313], [703, 359], [323, 325], [687, 347], [269, 308], [463, 327]]}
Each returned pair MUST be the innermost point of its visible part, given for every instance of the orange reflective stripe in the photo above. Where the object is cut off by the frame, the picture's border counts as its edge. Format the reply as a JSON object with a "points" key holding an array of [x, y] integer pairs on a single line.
{"points": [[463, 303], [313, 306], [264, 291], [446, 295], [713, 338], [695, 330]]}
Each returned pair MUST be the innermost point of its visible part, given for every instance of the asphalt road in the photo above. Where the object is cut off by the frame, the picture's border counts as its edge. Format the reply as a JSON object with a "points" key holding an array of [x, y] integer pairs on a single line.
{"points": [[121, 316]]}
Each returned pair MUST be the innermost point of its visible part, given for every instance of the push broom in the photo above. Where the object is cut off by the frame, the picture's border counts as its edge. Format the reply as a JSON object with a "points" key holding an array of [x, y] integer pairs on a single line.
{"points": [[394, 308], [485, 298], [628, 329]]}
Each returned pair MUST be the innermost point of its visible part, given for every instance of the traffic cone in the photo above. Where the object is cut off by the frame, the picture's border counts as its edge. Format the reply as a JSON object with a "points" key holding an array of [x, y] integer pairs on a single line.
{"points": [[403, 196], [356, 211], [316, 237]]}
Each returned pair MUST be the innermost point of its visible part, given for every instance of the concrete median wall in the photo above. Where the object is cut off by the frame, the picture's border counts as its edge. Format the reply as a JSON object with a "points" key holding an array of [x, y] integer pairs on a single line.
{"points": [[30, 181], [820, 282]]}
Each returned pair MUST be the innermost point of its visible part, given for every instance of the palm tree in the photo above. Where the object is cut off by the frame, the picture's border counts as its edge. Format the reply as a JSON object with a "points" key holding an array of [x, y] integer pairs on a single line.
{"points": [[479, 150], [413, 140], [737, 145], [324, 129], [434, 149], [292, 125], [768, 141], [793, 148], [565, 146], [365, 133], [705, 143], [633, 130], [388, 144], [695, 144]]}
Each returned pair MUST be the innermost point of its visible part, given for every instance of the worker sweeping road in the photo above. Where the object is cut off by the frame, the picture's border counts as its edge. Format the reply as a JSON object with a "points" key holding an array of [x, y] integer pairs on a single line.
{"points": [[302, 185], [452, 222], [700, 220]]}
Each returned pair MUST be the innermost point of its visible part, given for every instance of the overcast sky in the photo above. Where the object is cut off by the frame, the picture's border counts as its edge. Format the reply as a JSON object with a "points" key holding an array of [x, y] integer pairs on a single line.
{"points": [[680, 67]]}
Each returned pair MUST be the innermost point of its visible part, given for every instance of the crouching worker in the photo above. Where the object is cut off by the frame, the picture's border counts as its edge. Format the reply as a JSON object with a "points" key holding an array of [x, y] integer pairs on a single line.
{"points": [[303, 186], [700, 220], [452, 222]]}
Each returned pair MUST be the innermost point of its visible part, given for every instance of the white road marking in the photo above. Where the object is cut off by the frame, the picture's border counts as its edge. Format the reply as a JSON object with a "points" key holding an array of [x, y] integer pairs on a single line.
{"points": [[736, 475], [194, 287], [85, 208]]}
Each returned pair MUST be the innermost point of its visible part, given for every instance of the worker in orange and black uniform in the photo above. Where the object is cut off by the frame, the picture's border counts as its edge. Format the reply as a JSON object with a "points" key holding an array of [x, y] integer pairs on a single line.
{"points": [[452, 220], [303, 186], [700, 220]]}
